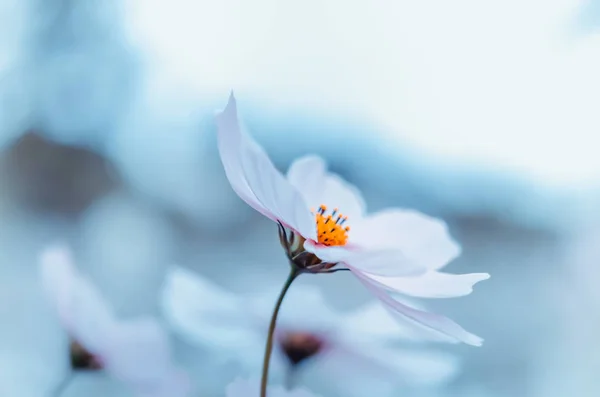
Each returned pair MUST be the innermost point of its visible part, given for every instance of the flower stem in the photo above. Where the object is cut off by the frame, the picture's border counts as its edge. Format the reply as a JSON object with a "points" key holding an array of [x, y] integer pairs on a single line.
{"points": [[269, 347]]}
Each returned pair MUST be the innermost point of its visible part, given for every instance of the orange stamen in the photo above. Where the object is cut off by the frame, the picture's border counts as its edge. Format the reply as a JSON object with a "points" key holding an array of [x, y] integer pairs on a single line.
{"points": [[330, 229]]}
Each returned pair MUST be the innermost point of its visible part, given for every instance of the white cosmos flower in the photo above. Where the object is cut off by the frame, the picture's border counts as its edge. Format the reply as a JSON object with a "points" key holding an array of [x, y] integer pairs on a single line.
{"points": [[350, 353], [394, 250], [245, 388], [136, 352]]}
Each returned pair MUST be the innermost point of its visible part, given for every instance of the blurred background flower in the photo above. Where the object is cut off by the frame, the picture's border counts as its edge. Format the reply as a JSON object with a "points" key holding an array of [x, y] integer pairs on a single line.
{"points": [[137, 352], [243, 387], [483, 114], [315, 346]]}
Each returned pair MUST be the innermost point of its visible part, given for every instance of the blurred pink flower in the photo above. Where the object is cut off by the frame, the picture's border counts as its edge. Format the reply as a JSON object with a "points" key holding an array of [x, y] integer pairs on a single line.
{"points": [[248, 388], [136, 352], [394, 250]]}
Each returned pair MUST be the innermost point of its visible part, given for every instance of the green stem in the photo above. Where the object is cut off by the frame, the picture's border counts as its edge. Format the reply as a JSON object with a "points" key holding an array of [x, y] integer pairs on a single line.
{"points": [[269, 348]]}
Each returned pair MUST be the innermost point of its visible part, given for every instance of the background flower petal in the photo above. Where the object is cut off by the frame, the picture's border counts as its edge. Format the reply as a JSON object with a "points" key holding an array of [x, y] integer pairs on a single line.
{"points": [[139, 352], [420, 367], [83, 311], [206, 314], [247, 388], [304, 309], [374, 365], [176, 384]]}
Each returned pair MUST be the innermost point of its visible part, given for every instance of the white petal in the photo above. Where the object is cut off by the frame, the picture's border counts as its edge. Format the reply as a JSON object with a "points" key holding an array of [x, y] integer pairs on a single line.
{"points": [[383, 262], [432, 321], [420, 368], [250, 388], [373, 320], [229, 142], [354, 368], [352, 358], [139, 352], [318, 186], [377, 321], [421, 238], [304, 308], [175, 384], [256, 180], [84, 313], [432, 284], [366, 362], [206, 314]]}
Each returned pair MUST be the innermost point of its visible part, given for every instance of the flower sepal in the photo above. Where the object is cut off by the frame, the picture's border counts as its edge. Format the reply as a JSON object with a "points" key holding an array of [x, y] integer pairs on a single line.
{"points": [[300, 259]]}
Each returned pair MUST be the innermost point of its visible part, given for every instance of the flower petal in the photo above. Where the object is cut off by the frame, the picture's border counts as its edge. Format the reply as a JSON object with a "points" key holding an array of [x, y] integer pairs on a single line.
{"points": [[176, 384], [304, 308], [310, 177], [422, 367], [82, 310], [229, 142], [256, 180], [383, 262], [421, 238], [366, 363], [432, 321], [376, 322], [247, 388], [206, 314], [355, 366], [139, 352], [432, 284]]}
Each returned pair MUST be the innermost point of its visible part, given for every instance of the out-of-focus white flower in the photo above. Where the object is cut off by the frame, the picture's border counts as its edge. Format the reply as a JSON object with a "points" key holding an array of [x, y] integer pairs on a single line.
{"points": [[247, 388], [392, 250], [323, 346], [123, 236], [136, 351]]}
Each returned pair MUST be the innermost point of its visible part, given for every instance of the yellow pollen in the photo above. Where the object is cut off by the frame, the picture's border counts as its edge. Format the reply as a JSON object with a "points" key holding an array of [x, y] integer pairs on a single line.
{"points": [[330, 227]]}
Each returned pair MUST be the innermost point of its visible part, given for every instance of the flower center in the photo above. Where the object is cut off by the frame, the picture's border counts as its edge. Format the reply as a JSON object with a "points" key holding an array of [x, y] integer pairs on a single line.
{"points": [[300, 346], [330, 227], [81, 359]]}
